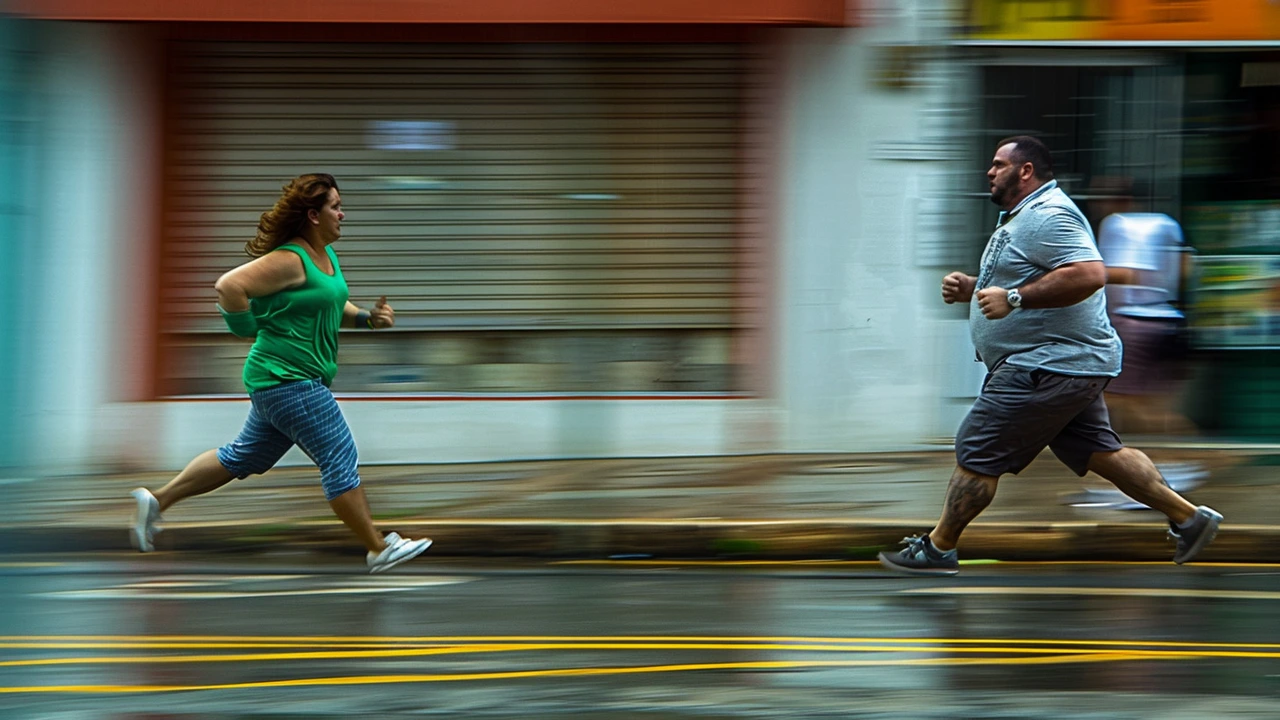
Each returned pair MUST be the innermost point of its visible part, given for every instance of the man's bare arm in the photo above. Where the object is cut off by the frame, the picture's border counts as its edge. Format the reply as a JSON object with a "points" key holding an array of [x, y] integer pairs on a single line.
{"points": [[1065, 285]]}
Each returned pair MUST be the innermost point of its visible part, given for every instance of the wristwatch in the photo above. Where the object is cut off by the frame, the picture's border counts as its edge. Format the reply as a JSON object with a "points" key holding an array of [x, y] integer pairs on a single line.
{"points": [[1015, 299]]}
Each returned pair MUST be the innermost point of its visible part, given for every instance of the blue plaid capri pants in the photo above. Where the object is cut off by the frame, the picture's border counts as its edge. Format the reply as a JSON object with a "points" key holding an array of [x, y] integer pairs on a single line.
{"points": [[302, 413]]}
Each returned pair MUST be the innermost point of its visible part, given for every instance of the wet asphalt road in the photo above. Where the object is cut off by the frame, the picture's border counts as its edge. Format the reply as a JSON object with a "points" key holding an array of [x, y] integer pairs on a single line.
{"points": [[182, 636]]}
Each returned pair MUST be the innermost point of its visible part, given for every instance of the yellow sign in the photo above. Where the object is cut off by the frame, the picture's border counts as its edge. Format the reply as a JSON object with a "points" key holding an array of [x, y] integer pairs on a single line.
{"points": [[1121, 20]]}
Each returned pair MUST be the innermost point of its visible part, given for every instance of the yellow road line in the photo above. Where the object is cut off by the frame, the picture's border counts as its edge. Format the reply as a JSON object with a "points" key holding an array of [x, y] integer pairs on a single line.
{"points": [[542, 647], [233, 642], [200, 645], [566, 672]]}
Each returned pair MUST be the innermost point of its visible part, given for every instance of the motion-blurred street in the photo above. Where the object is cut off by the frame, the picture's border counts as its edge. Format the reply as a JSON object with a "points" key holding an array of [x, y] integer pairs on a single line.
{"points": [[118, 638]]}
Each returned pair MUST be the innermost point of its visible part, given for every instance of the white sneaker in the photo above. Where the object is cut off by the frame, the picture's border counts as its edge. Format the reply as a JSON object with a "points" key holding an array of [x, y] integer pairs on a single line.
{"points": [[145, 517], [398, 550]]}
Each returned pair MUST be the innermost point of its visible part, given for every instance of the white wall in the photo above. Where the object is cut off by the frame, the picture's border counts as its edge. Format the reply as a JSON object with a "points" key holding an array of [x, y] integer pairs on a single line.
{"points": [[868, 353], [446, 431], [94, 198]]}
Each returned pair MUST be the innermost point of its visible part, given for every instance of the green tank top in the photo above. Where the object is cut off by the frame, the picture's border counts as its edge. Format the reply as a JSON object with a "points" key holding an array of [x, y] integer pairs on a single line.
{"points": [[298, 328]]}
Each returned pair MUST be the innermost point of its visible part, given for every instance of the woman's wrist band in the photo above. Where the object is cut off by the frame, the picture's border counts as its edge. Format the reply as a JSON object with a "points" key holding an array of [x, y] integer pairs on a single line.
{"points": [[364, 320], [241, 324]]}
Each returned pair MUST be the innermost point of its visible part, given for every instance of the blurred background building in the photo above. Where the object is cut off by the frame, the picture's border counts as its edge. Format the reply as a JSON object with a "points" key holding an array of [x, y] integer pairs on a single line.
{"points": [[684, 228], [15, 145]]}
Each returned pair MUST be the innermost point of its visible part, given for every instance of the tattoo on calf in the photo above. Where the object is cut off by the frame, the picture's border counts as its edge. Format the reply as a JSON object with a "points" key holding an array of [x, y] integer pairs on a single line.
{"points": [[967, 496]]}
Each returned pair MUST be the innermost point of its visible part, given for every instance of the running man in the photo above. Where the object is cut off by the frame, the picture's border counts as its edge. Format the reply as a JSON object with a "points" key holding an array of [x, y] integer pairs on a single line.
{"points": [[1038, 319]]}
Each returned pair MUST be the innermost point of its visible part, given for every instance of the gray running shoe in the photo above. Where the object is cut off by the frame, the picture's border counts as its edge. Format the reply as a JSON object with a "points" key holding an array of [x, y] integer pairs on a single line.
{"points": [[920, 557], [1204, 526]]}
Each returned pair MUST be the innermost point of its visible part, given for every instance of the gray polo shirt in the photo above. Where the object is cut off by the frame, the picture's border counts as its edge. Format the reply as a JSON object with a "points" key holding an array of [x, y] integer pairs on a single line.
{"points": [[1045, 231]]}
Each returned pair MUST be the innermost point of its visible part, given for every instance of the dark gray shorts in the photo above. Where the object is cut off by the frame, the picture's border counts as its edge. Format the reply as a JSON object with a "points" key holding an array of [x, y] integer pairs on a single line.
{"points": [[1019, 412]]}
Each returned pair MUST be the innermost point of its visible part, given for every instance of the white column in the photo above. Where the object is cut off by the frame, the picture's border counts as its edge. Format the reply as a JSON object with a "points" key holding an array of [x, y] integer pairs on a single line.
{"points": [[859, 337], [95, 218]]}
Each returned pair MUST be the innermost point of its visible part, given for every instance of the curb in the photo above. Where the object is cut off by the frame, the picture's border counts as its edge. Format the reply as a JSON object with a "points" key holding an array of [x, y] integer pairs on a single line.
{"points": [[668, 539]]}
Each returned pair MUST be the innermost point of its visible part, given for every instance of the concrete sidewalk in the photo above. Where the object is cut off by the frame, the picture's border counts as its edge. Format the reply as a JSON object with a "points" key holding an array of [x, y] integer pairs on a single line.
{"points": [[744, 507]]}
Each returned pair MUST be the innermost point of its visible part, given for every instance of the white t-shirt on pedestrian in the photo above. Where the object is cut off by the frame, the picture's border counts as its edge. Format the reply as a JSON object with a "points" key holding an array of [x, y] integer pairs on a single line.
{"points": [[1151, 244]]}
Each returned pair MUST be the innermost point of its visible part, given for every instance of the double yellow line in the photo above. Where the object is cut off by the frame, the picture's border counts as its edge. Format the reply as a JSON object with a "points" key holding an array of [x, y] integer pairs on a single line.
{"points": [[942, 651]]}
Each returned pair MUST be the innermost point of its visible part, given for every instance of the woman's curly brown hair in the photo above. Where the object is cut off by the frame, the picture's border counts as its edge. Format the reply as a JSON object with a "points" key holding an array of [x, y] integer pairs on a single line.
{"points": [[287, 219]]}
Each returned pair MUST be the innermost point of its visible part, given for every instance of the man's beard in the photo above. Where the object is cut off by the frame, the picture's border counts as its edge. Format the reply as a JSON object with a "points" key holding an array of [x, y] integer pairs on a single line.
{"points": [[1000, 195]]}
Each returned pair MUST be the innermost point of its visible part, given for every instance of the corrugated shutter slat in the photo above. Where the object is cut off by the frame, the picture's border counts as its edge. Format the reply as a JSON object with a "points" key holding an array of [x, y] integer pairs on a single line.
{"points": [[486, 187]]}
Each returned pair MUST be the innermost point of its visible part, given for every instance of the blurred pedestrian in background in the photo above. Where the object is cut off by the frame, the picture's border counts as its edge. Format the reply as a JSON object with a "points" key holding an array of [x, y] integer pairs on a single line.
{"points": [[1146, 260]]}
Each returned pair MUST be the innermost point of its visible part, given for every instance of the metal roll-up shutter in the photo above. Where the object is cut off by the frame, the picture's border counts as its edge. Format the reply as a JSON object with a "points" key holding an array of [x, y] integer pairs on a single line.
{"points": [[487, 187]]}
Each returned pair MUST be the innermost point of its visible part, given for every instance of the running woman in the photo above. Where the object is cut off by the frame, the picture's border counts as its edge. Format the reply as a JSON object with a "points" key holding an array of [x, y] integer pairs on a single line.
{"points": [[291, 299]]}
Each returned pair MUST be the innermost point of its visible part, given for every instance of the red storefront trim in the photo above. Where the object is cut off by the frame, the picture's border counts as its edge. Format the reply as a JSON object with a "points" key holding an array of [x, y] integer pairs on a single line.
{"points": [[828, 13]]}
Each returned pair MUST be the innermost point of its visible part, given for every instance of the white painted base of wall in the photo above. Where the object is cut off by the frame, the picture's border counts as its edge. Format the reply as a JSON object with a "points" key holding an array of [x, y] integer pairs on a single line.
{"points": [[166, 435]]}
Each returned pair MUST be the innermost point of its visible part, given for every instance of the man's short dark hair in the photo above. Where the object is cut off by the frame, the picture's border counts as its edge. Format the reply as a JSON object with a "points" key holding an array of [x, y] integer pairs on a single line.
{"points": [[1027, 149]]}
